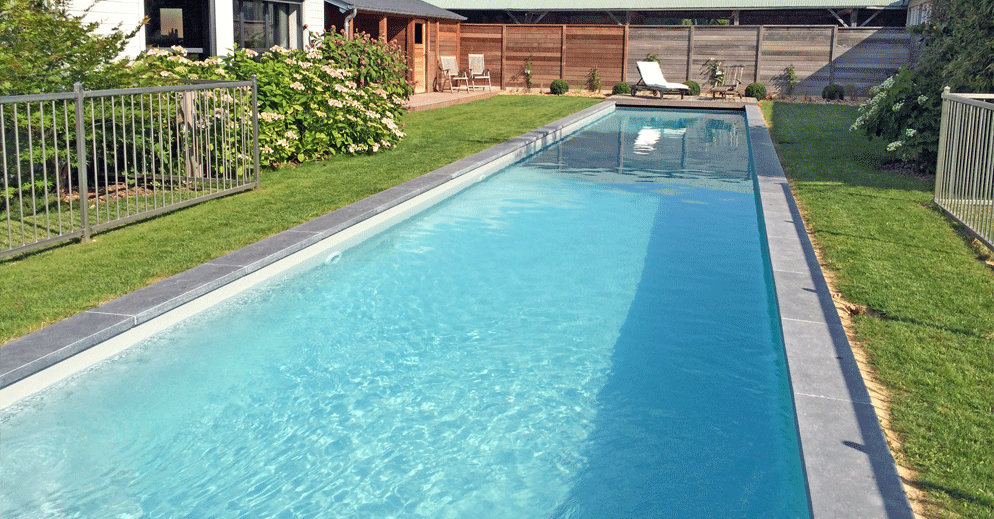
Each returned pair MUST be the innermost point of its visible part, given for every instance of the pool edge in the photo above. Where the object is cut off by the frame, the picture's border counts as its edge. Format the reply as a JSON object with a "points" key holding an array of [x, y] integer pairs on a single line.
{"points": [[848, 464]]}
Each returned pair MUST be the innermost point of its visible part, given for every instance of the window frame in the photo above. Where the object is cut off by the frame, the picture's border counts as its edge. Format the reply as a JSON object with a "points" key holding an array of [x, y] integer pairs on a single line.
{"points": [[276, 23]]}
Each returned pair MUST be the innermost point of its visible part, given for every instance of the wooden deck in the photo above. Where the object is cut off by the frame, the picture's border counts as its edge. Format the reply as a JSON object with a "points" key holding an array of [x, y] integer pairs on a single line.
{"points": [[429, 100]]}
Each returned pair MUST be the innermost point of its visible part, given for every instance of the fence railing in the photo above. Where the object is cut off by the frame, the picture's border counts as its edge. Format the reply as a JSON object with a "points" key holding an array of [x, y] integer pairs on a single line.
{"points": [[75, 163], [964, 181]]}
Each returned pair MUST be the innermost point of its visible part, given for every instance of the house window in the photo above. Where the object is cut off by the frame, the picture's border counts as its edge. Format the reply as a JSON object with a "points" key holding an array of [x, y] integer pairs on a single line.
{"points": [[419, 33], [261, 24], [178, 22]]}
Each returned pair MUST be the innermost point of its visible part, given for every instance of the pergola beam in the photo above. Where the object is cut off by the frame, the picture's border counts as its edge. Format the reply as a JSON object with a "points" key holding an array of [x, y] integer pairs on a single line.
{"points": [[837, 17], [874, 15]]}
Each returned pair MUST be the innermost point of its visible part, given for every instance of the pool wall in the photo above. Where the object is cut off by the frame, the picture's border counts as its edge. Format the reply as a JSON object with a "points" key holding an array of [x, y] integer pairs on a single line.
{"points": [[848, 466]]}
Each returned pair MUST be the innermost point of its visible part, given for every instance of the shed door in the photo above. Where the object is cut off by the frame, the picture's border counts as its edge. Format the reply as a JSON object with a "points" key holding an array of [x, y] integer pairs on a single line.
{"points": [[419, 51]]}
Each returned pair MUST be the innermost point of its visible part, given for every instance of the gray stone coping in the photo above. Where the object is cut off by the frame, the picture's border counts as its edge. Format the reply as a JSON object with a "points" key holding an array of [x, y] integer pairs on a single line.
{"points": [[848, 466]]}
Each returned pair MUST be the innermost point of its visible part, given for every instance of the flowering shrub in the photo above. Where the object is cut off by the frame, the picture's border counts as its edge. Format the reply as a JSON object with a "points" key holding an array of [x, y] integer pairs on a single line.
{"points": [[903, 114], [956, 49], [335, 96]]}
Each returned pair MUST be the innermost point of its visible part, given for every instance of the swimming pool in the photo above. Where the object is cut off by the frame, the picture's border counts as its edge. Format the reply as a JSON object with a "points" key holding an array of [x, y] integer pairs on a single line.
{"points": [[440, 415]]}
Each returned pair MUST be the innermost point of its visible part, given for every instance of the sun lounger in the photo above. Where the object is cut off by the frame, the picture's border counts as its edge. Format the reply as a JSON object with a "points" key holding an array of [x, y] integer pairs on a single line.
{"points": [[653, 80], [730, 84]]}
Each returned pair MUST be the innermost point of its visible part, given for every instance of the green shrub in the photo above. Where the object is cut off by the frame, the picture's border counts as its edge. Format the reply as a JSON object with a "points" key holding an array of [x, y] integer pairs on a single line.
{"points": [[559, 87], [594, 80], [790, 79], [833, 92], [956, 49], [756, 90], [695, 87], [621, 89], [713, 72]]}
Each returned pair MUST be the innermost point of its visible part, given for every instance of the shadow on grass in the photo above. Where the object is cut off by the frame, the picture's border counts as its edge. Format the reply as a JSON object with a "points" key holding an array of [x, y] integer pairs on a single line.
{"points": [[907, 245], [825, 130], [879, 314], [956, 494]]}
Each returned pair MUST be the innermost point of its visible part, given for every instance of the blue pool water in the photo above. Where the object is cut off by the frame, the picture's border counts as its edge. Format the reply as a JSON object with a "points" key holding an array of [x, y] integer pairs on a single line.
{"points": [[588, 334]]}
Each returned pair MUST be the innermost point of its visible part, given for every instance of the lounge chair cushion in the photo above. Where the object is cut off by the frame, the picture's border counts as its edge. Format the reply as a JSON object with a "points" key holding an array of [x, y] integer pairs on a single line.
{"points": [[653, 78]]}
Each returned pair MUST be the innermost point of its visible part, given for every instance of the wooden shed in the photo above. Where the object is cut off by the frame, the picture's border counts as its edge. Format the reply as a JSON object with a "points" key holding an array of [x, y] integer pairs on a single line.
{"points": [[422, 30]]}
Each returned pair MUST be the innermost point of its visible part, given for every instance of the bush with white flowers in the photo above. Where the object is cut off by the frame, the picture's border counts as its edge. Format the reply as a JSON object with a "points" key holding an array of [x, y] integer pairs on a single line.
{"points": [[899, 113], [334, 96]]}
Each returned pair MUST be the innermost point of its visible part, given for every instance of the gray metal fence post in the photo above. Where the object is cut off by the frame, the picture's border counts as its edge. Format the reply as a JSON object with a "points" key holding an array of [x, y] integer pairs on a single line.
{"points": [[255, 126], [84, 190]]}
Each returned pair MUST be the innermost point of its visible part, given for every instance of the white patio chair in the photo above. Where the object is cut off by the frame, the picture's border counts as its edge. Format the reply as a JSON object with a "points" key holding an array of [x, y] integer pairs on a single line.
{"points": [[477, 70], [449, 69]]}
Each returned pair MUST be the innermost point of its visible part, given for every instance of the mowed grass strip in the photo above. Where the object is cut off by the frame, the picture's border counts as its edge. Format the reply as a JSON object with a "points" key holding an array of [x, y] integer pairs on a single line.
{"points": [[43, 287], [929, 325]]}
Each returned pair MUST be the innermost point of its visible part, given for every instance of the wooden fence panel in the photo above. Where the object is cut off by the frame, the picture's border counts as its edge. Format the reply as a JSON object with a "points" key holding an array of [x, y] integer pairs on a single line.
{"points": [[808, 49], [594, 46], [866, 57], [448, 39], [730, 45], [542, 45], [669, 44], [481, 39]]}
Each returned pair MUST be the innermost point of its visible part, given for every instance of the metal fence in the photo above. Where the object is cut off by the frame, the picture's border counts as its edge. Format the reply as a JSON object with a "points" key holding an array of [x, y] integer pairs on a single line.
{"points": [[79, 162], [964, 182]]}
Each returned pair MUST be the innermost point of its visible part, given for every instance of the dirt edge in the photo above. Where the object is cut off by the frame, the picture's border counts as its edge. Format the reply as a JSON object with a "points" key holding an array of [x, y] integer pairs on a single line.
{"points": [[921, 505]]}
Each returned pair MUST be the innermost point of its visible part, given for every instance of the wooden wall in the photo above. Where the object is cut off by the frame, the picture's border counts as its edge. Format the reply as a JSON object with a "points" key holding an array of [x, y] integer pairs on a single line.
{"points": [[862, 57], [598, 46]]}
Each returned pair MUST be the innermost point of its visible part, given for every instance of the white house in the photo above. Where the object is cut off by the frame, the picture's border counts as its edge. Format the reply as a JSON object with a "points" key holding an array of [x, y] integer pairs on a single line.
{"points": [[212, 27], [208, 27]]}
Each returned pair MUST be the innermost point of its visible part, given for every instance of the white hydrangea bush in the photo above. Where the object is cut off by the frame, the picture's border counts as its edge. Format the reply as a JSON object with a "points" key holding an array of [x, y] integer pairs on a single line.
{"points": [[333, 96], [899, 112]]}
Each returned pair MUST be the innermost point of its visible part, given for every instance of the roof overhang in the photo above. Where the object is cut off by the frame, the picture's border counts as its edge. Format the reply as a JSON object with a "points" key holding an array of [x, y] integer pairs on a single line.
{"points": [[414, 8], [664, 5]]}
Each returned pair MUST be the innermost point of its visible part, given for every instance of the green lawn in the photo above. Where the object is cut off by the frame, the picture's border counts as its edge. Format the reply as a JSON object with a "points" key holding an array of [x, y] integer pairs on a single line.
{"points": [[43, 287], [929, 331]]}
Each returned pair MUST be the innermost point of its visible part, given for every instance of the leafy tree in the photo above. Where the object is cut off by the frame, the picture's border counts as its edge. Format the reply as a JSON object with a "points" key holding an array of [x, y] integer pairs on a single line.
{"points": [[46, 49], [957, 51]]}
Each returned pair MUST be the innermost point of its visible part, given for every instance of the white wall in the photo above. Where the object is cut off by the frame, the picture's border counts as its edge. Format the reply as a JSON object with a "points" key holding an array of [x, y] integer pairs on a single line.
{"points": [[919, 12], [224, 29], [313, 18], [110, 13]]}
